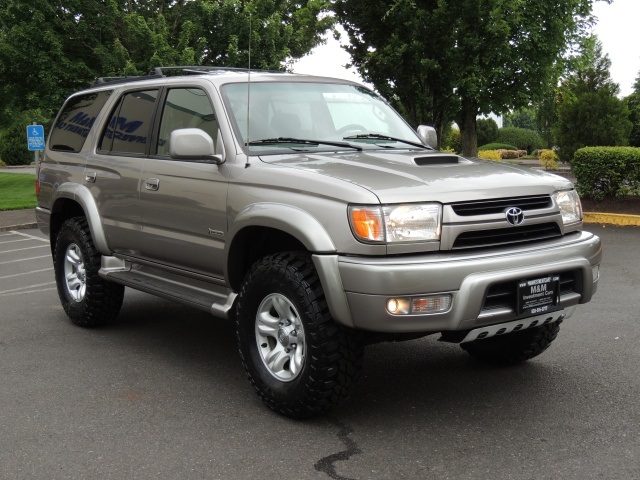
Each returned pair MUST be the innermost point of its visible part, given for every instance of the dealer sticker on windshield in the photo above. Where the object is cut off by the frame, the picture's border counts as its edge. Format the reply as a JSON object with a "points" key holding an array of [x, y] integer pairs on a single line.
{"points": [[539, 296]]}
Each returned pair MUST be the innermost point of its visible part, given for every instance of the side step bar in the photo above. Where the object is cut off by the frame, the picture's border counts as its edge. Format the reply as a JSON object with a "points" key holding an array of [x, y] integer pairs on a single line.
{"points": [[211, 298]]}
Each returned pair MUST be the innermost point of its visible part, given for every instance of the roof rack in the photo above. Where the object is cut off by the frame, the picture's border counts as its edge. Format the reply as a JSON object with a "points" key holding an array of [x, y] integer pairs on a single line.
{"points": [[160, 72], [123, 79]]}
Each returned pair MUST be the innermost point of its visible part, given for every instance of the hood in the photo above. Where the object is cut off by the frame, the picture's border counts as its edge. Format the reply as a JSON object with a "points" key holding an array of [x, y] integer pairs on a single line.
{"points": [[410, 176]]}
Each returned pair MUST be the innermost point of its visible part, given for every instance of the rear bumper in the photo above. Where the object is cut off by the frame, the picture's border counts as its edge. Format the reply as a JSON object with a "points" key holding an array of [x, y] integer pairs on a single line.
{"points": [[366, 283]]}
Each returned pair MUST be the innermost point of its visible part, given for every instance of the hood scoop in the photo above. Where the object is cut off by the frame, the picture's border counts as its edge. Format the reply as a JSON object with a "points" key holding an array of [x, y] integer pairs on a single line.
{"points": [[436, 160]]}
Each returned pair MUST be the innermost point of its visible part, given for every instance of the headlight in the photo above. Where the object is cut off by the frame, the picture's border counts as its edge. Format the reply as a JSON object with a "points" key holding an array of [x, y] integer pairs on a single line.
{"points": [[396, 223], [570, 207]]}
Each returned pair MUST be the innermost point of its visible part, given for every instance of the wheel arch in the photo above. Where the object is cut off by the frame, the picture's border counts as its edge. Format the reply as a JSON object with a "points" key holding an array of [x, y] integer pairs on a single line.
{"points": [[263, 229], [73, 200]]}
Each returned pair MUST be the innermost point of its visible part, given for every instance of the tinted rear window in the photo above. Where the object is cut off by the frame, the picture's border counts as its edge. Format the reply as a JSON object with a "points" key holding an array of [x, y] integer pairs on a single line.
{"points": [[75, 121], [129, 125]]}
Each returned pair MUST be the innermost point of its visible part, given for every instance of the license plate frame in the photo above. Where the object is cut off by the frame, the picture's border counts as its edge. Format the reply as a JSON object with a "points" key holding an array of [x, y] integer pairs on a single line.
{"points": [[538, 296]]}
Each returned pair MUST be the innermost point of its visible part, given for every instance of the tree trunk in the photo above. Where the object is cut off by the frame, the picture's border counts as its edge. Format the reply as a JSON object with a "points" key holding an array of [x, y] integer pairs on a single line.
{"points": [[468, 133]]}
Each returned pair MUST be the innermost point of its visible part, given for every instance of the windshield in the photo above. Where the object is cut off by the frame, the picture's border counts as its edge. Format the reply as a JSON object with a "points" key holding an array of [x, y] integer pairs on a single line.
{"points": [[286, 116]]}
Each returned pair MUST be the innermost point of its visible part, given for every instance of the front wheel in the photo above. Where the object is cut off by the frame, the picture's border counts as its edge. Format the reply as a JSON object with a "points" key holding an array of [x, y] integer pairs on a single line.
{"points": [[514, 347], [88, 299], [299, 361]]}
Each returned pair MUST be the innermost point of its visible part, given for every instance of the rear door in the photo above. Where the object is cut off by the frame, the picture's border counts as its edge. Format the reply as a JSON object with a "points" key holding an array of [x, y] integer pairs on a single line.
{"points": [[112, 174]]}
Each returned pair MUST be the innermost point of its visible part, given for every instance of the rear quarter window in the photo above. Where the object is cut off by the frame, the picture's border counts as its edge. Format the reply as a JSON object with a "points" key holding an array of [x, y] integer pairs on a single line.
{"points": [[75, 121]]}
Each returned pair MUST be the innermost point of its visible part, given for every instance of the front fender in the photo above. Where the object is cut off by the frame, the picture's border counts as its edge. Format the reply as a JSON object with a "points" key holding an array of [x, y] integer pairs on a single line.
{"points": [[292, 220]]}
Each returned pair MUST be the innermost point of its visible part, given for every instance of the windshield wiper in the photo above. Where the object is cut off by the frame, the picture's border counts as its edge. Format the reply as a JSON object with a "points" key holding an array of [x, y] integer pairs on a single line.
{"points": [[378, 136], [303, 141]]}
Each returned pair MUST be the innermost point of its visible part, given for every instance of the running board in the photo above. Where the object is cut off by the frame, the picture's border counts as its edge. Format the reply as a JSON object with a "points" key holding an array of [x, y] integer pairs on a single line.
{"points": [[215, 299]]}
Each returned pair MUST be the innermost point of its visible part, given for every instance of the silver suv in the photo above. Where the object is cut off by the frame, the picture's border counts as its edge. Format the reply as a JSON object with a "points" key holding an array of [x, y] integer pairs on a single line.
{"points": [[308, 212]]}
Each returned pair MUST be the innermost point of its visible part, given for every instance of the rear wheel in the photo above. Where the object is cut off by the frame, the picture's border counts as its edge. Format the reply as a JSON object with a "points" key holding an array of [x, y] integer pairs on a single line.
{"points": [[88, 299], [514, 347], [299, 361]]}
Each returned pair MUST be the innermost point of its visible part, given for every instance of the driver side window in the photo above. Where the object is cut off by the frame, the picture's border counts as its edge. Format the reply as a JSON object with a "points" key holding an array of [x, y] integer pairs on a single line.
{"points": [[186, 108]]}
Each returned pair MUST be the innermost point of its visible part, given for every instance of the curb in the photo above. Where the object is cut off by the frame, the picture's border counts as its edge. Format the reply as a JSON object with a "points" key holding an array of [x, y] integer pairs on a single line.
{"points": [[619, 219], [22, 226]]}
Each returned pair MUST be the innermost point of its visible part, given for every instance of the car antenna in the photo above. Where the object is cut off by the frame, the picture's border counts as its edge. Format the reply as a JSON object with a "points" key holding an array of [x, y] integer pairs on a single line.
{"points": [[247, 165]]}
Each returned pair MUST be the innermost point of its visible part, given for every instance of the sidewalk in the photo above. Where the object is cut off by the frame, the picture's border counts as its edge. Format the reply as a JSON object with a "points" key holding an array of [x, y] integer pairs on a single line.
{"points": [[17, 219]]}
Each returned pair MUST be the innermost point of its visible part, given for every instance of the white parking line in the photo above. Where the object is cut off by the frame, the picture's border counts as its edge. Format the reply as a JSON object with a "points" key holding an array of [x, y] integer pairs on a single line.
{"points": [[33, 237], [24, 259], [17, 291], [22, 249], [26, 291], [26, 273], [19, 240]]}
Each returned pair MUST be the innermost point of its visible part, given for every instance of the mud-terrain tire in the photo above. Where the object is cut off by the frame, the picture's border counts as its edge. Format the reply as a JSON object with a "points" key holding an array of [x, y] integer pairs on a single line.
{"points": [[514, 347], [298, 359], [88, 299]]}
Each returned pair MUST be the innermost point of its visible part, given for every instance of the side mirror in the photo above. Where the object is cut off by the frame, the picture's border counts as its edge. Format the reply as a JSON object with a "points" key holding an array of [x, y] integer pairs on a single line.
{"points": [[428, 136], [193, 144]]}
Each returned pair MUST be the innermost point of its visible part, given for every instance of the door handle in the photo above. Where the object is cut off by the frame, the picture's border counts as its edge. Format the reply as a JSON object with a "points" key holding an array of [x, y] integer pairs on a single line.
{"points": [[152, 184], [90, 177]]}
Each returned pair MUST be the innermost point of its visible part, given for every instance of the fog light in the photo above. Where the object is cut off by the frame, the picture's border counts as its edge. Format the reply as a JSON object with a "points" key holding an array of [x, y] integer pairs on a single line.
{"points": [[595, 272], [398, 306], [434, 304]]}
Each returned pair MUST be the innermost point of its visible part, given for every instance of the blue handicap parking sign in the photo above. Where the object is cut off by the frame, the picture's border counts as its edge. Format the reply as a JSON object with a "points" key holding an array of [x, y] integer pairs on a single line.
{"points": [[35, 137]]}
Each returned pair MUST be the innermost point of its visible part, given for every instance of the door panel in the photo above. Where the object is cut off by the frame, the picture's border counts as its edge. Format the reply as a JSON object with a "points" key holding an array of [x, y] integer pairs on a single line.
{"points": [[183, 204]]}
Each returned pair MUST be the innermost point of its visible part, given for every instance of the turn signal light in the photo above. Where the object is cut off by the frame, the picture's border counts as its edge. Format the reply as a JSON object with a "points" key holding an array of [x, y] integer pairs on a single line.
{"points": [[367, 224]]}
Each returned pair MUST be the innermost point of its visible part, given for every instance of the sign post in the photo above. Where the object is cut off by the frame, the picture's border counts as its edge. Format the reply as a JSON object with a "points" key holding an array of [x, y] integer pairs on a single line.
{"points": [[35, 140]]}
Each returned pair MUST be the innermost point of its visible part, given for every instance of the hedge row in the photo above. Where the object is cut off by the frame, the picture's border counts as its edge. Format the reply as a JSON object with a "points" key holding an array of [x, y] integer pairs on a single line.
{"points": [[607, 172]]}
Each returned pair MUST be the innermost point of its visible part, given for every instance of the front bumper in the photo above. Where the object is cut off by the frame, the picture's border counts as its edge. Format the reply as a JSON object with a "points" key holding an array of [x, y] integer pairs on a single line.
{"points": [[357, 288]]}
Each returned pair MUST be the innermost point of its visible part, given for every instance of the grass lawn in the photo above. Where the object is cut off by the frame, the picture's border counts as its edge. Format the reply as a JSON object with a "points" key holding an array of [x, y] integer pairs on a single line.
{"points": [[17, 190]]}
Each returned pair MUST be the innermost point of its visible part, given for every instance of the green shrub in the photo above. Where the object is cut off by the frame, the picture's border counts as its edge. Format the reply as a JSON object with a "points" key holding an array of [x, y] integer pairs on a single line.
{"points": [[548, 159], [452, 141], [522, 138], [497, 146], [490, 155], [607, 171], [486, 130], [13, 138]]}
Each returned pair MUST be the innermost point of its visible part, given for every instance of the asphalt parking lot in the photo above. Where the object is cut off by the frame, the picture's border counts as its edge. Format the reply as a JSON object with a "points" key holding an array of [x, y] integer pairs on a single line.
{"points": [[161, 394]]}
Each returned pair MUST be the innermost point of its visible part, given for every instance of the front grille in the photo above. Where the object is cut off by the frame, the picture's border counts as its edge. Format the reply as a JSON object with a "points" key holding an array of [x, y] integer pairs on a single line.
{"points": [[504, 295], [500, 205], [504, 236]]}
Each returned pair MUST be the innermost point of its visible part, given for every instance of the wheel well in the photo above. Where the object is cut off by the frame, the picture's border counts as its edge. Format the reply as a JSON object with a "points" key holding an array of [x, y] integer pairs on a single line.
{"points": [[253, 243], [63, 209]]}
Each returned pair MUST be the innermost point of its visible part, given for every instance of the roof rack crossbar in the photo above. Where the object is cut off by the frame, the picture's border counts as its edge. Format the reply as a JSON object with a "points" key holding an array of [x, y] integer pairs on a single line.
{"points": [[160, 72], [123, 79]]}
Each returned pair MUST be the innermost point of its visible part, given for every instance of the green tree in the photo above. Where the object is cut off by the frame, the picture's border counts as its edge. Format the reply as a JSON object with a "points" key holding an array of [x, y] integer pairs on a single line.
{"points": [[456, 59], [487, 129], [633, 104], [521, 118], [589, 112], [50, 49], [523, 138]]}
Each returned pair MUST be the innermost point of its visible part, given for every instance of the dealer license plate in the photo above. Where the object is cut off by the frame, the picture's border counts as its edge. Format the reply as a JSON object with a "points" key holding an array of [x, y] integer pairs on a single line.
{"points": [[539, 296]]}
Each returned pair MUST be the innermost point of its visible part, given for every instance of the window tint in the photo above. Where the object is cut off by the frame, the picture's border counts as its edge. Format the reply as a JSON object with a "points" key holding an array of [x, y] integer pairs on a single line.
{"points": [[129, 125], [75, 121], [186, 108]]}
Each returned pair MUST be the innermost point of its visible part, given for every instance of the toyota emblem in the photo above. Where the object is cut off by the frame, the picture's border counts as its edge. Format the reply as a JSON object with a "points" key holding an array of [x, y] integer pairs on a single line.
{"points": [[515, 216]]}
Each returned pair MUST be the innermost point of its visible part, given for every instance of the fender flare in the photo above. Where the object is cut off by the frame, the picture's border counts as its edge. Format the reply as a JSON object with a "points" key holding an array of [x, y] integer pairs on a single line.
{"points": [[292, 220], [81, 195]]}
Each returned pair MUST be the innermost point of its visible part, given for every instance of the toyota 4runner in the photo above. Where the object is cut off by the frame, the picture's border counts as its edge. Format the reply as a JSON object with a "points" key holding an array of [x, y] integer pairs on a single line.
{"points": [[308, 212]]}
